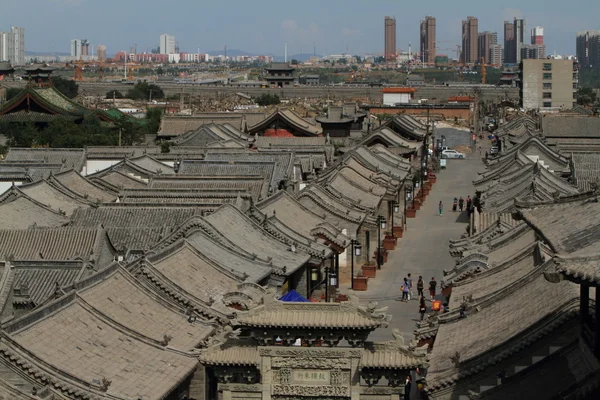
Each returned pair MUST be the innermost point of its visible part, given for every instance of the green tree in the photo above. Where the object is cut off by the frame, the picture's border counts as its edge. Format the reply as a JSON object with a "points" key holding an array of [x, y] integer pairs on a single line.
{"points": [[66, 86], [586, 96], [130, 132], [160, 71], [114, 94], [294, 61], [145, 91], [153, 115], [12, 93], [267, 99], [20, 134]]}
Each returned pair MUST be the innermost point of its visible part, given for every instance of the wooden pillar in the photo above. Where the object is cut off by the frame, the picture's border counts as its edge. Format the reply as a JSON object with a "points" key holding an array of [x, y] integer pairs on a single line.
{"points": [[597, 331], [584, 306]]}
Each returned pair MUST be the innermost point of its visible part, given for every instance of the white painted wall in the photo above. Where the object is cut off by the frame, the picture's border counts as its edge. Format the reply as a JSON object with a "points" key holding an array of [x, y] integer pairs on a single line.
{"points": [[93, 166], [389, 99]]}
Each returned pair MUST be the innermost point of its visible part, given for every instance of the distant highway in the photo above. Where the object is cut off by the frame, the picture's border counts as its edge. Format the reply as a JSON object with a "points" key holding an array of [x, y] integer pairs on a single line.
{"points": [[346, 92]]}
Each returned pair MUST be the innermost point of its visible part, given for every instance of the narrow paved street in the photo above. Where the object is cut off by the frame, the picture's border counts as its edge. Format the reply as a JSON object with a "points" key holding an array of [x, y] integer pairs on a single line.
{"points": [[424, 248]]}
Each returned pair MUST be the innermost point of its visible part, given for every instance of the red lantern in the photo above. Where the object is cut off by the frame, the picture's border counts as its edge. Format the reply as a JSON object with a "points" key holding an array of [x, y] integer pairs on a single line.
{"points": [[436, 305]]}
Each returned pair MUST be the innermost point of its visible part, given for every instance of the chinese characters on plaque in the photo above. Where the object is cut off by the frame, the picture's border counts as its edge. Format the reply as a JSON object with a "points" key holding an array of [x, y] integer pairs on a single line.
{"points": [[311, 376]]}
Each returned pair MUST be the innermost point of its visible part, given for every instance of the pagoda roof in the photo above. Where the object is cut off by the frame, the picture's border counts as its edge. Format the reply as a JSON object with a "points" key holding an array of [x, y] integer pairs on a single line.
{"points": [[279, 66], [345, 315], [49, 99], [303, 126]]}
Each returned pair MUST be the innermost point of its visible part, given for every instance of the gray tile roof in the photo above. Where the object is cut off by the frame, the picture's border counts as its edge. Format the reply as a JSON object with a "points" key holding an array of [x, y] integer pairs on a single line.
{"points": [[53, 197], [284, 162], [65, 243], [123, 300], [36, 282], [70, 339], [81, 186], [586, 170], [569, 226], [190, 272], [250, 236], [67, 158], [230, 168], [572, 127], [256, 186], [296, 216], [499, 329], [580, 269], [19, 211]]}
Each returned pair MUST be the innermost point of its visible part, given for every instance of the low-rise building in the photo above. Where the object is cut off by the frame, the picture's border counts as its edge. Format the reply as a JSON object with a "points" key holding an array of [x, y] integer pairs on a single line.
{"points": [[279, 74], [548, 84]]}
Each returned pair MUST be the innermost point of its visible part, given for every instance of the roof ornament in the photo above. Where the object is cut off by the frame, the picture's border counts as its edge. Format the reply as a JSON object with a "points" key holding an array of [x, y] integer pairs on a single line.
{"points": [[166, 340]]}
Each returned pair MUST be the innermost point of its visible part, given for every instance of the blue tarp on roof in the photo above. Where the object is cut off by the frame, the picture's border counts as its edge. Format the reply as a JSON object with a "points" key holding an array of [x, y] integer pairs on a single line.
{"points": [[292, 295]]}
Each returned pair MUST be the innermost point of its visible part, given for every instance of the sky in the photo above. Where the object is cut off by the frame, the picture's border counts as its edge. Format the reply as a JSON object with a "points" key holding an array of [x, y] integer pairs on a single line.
{"points": [[265, 26]]}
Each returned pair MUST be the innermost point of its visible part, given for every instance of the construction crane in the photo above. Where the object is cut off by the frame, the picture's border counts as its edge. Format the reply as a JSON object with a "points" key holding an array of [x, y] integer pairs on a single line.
{"points": [[130, 68], [483, 71]]}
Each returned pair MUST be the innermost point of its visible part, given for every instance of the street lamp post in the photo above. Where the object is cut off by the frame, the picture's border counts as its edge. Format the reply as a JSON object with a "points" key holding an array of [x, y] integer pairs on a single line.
{"points": [[406, 198], [326, 284], [356, 251], [381, 224], [395, 209]]}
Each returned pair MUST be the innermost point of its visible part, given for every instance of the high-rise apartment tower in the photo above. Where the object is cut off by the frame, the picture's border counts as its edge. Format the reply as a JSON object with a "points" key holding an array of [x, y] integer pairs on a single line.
{"points": [[390, 39], [470, 36], [428, 39]]}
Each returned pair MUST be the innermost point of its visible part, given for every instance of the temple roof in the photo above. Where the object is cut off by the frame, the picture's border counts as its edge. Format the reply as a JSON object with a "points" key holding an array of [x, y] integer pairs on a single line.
{"points": [[172, 126], [580, 269], [345, 315], [55, 197], [304, 127], [571, 127], [390, 138], [535, 149]]}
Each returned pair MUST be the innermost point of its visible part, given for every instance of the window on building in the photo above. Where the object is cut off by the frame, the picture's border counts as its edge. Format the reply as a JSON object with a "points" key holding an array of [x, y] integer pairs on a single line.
{"points": [[574, 85], [574, 95], [547, 85], [547, 104], [547, 67], [547, 75], [547, 95]]}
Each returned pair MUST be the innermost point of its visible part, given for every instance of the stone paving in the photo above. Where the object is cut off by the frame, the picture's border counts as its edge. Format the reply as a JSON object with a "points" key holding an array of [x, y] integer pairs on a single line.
{"points": [[423, 250]]}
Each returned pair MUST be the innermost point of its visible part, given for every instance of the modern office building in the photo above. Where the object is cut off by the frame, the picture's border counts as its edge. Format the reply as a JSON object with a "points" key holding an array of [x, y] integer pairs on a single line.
{"points": [[167, 44], [548, 84], [470, 37], [12, 46], [588, 50], [514, 39], [496, 55], [519, 28], [485, 42], [75, 48], [537, 35], [533, 51], [390, 39], [101, 52], [428, 39], [509, 43]]}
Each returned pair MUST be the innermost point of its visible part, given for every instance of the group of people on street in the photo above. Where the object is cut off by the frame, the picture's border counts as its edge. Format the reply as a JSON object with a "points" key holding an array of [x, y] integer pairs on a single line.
{"points": [[407, 292], [460, 204]]}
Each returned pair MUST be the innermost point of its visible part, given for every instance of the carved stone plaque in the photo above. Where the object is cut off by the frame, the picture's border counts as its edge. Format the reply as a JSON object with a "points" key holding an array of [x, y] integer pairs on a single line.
{"points": [[311, 377]]}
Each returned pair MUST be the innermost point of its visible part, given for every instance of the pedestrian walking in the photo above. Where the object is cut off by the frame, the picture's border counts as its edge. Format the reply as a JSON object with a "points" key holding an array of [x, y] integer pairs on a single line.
{"points": [[441, 206], [468, 203], [407, 387], [420, 286], [432, 286], [405, 290], [454, 204], [422, 308], [461, 203], [410, 287]]}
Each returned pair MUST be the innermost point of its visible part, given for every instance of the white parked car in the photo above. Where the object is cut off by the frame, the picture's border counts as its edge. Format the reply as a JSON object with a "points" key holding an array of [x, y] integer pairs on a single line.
{"points": [[452, 154]]}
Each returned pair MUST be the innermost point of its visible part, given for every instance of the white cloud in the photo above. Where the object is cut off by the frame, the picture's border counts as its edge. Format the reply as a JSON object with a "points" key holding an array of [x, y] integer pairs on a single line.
{"points": [[291, 28], [351, 32]]}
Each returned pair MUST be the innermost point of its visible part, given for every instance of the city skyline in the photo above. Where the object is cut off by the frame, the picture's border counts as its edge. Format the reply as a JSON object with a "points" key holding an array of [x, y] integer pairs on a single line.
{"points": [[331, 27]]}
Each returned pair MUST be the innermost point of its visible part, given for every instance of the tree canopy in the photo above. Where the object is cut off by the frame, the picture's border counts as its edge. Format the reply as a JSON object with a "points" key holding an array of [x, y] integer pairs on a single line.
{"points": [[586, 96], [66, 86], [145, 91]]}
